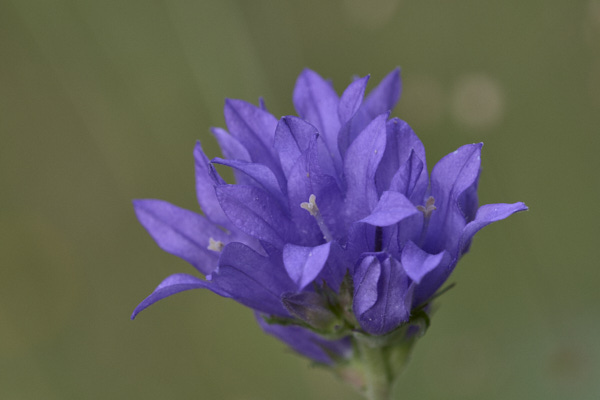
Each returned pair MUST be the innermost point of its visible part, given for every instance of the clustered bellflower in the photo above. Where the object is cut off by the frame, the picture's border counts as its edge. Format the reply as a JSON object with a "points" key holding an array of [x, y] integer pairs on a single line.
{"points": [[334, 232]]}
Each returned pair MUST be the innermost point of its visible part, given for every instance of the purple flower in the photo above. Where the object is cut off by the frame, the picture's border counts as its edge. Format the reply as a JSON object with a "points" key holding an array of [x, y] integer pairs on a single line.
{"points": [[333, 226]]}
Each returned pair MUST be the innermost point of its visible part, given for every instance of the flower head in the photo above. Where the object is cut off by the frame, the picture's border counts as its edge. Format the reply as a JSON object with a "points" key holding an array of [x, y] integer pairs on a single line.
{"points": [[334, 228]]}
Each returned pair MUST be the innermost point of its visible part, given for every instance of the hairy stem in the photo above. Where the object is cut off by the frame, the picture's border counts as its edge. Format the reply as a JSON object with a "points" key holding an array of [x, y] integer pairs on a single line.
{"points": [[378, 381]]}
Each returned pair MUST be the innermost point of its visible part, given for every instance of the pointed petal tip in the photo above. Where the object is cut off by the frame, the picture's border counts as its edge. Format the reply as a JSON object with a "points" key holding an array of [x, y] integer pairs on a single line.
{"points": [[417, 263], [521, 207], [174, 284], [313, 76], [134, 313], [486, 215], [261, 103], [234, 103], [303, 264], [217, 160], [139, 204], [307, 70], [231, 103], [393, 76], [307, 73], [142, 306], [465, 150], [287, 118], [198, 146], [383, 116], [364, 79]]}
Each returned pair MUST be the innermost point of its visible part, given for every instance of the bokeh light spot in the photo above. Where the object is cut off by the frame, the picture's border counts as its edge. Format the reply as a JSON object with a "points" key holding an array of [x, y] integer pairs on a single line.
{"points": [[478, 102], [370, 14]]}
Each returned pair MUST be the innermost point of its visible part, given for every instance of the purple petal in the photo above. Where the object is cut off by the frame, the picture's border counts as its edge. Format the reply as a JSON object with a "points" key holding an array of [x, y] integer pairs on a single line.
{"points": [[432, 281], [252, 279], [385, 96], [254, 129], [180, 232], [307, 343], [174, 284], [205, 188], [401, 143], [418, 263], [337, 265], [255, 212], [486, 215], [454, 188], [259, 173], [299, 190], [392, 208], [303, 264], [330, 202], [381, 99], [292, 137], [232, 149], [247, 122], [366, 276], [352, 99], [317, 102], [230, 146], [262, 105], [457, 173], [304, 179], [410, 229], [394, 300], [411, 179], [361, 239], [360, 166]]}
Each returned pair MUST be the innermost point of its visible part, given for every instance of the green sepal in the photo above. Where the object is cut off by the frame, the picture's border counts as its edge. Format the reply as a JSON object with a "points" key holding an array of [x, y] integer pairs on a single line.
{"points": [[312, 308]]}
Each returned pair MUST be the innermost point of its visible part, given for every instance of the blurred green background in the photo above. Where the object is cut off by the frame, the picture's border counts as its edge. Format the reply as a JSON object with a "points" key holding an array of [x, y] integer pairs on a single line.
{"points": [[102, 101]]}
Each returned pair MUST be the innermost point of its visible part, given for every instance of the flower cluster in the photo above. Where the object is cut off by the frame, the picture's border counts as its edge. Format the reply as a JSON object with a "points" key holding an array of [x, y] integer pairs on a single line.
{"points": [[334, 229]]}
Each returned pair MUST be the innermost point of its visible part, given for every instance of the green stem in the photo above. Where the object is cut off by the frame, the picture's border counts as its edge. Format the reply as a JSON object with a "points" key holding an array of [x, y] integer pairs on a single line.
{"points": [[381, 361], [378, 381]]}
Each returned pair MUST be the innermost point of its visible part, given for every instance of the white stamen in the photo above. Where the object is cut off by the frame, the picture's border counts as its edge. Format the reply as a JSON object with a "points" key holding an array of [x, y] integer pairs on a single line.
{"points": [[312, 208], [426, 210], [215, 245]]}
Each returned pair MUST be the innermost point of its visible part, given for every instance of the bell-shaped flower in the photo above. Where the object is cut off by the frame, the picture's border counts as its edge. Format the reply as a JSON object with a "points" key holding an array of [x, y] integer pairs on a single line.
{"points": [[333, 228]]}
